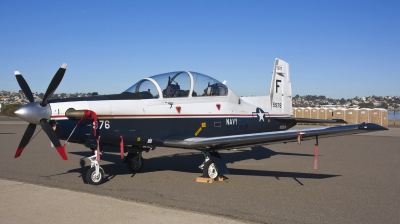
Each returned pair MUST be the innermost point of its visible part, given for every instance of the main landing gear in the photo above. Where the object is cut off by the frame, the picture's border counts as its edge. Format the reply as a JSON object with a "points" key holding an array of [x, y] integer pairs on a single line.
{"points": [[209, 168], [134, 161], [95, 174]]}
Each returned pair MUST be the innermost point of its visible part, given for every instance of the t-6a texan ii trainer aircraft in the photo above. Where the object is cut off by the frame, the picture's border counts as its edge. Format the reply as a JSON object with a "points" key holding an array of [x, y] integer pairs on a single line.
{"points": [[183, 109]]}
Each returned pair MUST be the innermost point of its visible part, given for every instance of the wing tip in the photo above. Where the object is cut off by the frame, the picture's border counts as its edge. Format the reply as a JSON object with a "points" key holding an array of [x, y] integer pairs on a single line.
{"points": [[17, 73], [372, 127], [64, 66]]}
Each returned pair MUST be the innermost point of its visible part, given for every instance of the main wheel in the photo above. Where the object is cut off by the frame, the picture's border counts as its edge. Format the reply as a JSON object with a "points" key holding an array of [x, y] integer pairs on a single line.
{"points": [[94, 179], [134, 162], [210, 170]]}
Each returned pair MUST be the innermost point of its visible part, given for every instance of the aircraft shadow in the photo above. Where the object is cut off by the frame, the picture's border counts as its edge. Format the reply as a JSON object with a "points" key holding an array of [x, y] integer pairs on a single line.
{"points": [[82, 171], [256, 153], [278, 174], [189, 162]]}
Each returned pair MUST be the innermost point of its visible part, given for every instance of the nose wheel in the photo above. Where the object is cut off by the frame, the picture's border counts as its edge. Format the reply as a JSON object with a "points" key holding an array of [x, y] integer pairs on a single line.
{"points": [[93, 177], [95, 174]]}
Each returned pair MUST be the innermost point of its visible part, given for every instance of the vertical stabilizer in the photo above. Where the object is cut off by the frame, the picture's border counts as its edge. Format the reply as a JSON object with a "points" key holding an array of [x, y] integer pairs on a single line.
{"points": [[281, 89]]}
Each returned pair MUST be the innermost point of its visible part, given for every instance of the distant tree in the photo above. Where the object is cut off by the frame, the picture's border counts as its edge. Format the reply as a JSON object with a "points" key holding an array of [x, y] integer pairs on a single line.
{"points": [[310, 97], [383, 105], [9, 109], [366, 105]]}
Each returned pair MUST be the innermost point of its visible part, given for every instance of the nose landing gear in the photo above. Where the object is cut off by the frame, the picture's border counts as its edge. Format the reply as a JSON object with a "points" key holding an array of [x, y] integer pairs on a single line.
{"points": [[95, 174]]}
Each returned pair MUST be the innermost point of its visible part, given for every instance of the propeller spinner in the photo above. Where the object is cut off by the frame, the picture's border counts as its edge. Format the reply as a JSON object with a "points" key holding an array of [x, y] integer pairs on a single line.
{"points": [[36, 113]]}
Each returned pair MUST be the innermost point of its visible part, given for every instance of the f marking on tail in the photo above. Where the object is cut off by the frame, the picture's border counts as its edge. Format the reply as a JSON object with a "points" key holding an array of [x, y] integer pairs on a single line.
{"points": [[276, 83]]}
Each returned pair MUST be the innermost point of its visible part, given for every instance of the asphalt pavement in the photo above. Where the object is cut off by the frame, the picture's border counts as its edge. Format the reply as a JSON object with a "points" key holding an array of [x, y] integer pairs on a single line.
{"points": [[28, 203], [357, 181]]}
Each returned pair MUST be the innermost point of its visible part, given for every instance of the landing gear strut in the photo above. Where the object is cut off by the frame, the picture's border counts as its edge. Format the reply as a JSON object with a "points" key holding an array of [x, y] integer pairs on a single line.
{"points": [[95, 175], [209, 168], [134, 161]]}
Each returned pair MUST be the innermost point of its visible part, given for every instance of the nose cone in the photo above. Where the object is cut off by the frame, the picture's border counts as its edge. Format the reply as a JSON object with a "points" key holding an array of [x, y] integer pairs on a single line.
{"points": [[20, 112], [33, 112]]}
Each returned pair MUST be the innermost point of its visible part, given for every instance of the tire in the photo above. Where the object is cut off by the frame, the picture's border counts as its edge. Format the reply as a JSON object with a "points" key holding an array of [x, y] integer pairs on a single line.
{"points": [[92, 179], [210, 170], [134, 162]]}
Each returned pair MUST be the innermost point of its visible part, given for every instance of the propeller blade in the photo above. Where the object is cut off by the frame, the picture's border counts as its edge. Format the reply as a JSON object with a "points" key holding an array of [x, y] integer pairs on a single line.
{"points": [[54, 84], [53, 138], [30, 130], [24, 86]]}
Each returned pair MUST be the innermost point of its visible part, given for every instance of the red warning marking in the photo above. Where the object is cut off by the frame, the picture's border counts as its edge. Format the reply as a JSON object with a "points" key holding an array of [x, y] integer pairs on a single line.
{"points": [[316, 157], [178, 109], [300, 137], [19, 151], [98, 148], [62, 152], [219, 106], [121, 147]]}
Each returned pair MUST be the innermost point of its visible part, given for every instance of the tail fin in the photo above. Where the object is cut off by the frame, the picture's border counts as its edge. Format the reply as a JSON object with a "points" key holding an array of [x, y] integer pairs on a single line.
{"points": [[281, 89]]}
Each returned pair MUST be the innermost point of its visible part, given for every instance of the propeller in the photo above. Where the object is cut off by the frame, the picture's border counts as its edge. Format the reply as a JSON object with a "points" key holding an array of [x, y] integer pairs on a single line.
{"points": [[36, 113], [30, 130], [24, 86], [54, 84]]}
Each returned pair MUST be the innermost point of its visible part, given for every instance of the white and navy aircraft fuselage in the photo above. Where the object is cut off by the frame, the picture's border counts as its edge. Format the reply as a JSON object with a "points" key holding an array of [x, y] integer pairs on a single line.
{"points": [[149, 122]]}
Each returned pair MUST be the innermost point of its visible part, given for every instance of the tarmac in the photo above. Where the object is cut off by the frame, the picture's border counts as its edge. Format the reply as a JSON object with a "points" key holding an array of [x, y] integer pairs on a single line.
{"points": [[357, 182], [28, 203]]}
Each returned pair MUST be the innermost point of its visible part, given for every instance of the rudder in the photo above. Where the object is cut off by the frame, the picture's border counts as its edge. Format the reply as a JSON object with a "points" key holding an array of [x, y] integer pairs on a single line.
{"points": [[281, 88]]}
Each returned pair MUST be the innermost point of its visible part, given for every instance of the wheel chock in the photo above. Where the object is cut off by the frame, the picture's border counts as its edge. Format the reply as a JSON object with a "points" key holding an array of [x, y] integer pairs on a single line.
{"points": [[220, 179], [204, 180], [210, 180]]}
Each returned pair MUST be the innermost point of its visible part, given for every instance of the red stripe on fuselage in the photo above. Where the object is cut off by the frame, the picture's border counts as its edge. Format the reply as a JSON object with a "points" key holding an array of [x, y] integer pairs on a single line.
{"points": [[180, 115]]}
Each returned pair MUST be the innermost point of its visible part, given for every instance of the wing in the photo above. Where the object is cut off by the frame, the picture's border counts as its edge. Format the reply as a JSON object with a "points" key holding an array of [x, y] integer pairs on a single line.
{"points": [[265, 138]]}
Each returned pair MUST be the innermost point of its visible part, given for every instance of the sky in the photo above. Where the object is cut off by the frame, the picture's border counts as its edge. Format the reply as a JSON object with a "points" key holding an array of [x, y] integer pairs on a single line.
{"points": [[340, 49]]}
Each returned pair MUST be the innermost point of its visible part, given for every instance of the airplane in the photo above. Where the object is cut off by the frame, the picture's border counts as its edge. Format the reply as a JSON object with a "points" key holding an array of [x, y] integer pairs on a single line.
{"points": [[183, 109]]}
